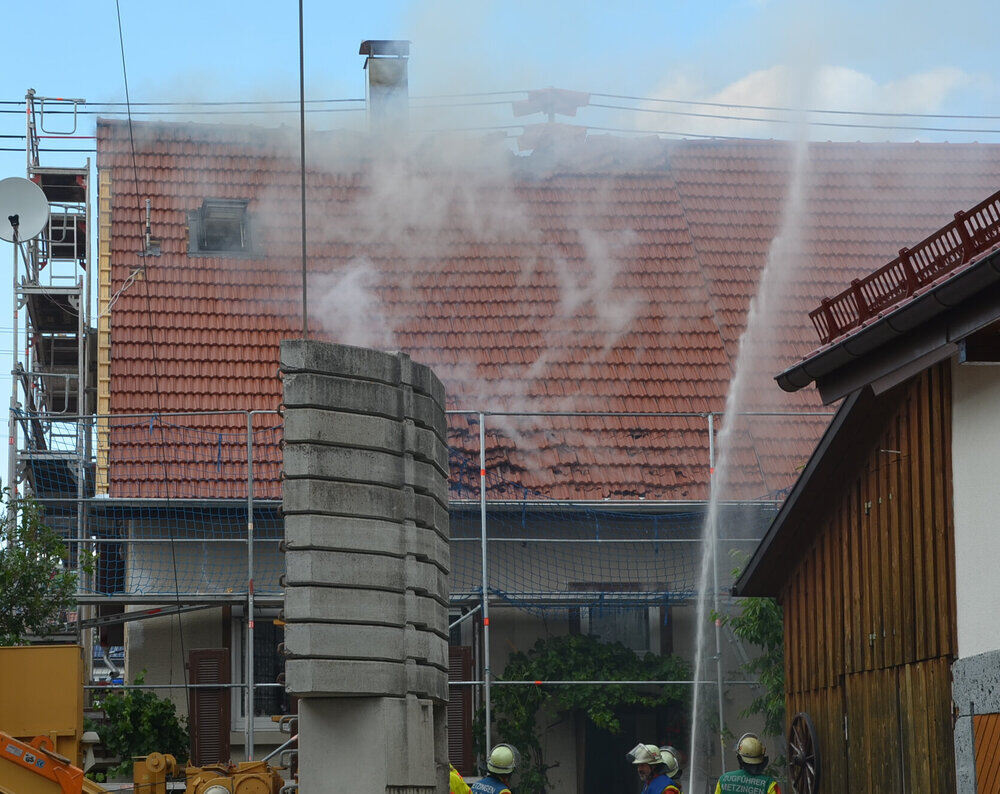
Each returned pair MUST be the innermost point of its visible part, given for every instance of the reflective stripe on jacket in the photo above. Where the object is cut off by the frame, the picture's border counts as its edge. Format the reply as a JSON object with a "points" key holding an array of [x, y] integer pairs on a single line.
{"points": [[490, 785], [740, 782]]}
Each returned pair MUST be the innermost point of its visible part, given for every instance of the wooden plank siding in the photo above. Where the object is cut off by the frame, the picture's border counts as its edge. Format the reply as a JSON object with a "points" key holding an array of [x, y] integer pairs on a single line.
{"points": [[870, 626]]}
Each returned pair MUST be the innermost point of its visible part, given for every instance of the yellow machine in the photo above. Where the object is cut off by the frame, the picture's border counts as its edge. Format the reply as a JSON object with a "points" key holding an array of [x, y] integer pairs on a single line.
{"points": [[35, 767], [41, 694], [41, 724], [251, 777]]}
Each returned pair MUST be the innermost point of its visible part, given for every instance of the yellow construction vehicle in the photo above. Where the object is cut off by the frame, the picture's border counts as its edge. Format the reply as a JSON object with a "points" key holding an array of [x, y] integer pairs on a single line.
{"points": [[41, 726], [36, 768]]}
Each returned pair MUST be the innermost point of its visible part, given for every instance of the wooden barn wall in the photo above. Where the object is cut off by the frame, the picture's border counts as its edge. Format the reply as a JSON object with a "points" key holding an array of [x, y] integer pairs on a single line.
{"points": [[870, 611]]}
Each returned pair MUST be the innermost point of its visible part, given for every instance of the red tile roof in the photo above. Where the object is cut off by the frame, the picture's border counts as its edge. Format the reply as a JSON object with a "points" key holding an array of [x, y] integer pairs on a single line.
{"points": [[612, 277]]}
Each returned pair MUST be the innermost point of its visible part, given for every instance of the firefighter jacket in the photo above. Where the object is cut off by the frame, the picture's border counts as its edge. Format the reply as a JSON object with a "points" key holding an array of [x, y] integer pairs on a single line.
{"points": [[455, 783], [741, 782], [490, 785], [661, 784]]}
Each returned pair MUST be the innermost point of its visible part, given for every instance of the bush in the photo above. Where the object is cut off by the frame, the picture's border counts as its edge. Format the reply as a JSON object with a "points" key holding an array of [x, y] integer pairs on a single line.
{"points": [[575, 657], [139, 723]]}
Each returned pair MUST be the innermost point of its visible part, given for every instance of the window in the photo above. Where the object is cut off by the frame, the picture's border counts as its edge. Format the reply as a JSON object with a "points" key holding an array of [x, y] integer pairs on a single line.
{"points": [[630, 627], [640, 628], [268, 665], [221, 226]]}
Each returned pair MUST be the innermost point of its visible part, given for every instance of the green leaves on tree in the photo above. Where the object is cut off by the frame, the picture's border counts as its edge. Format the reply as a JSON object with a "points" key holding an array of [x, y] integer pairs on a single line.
{"points": [[37, 584], [759, 622]]}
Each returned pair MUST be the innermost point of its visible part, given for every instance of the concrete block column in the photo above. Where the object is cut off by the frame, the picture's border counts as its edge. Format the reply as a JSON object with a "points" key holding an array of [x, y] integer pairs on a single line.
{"points": [[365, 498]]}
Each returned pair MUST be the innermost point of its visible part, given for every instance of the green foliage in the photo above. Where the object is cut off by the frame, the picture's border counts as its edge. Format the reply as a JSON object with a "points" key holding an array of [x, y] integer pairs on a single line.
{"points": [[759, 622], [575, 658], [37, 587], [139, 723]]}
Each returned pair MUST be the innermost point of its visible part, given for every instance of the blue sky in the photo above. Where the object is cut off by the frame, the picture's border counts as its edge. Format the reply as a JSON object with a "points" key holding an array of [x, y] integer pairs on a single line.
{"points": [[898, 56]]}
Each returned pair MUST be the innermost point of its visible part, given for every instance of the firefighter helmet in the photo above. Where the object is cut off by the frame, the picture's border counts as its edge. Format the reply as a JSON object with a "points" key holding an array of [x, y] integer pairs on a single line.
{"points": [[671, 760], [503, 759], [645, 754], [750, 749]]}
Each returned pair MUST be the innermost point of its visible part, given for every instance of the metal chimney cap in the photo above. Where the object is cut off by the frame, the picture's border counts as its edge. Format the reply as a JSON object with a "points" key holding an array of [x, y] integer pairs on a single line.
{"points": [[380, 47]]}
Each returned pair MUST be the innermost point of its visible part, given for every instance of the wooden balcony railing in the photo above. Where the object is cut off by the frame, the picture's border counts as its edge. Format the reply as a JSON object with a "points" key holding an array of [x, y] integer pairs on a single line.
{"points": [[947, 249]]}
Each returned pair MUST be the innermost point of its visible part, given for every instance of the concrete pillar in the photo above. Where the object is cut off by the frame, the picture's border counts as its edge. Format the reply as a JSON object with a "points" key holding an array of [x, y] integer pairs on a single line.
{"points": [[365, 497], [975, 689]]}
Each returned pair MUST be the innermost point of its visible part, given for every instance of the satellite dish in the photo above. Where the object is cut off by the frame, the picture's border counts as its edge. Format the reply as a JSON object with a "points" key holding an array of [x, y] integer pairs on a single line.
{"points": [[23, 198]]}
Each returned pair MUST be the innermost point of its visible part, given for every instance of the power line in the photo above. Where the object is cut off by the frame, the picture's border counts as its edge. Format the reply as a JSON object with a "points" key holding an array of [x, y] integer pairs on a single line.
{"points": [[794, 110], [295, 102], [476, 95], [728, 117], [192, 112], [21, 149], [668, 132]]}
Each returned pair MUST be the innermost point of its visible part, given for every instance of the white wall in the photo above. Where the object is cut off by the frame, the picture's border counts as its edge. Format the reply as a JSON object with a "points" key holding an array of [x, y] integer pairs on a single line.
{"points": [[975, 466]]}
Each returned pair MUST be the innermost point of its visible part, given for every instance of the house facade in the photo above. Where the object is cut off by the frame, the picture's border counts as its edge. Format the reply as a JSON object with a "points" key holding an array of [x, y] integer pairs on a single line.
{"points": [[882, 554], [607, 277]]}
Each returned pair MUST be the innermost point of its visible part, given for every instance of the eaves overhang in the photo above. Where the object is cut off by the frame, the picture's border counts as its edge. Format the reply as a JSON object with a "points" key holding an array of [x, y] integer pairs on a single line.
{"points": [[978, 282]]}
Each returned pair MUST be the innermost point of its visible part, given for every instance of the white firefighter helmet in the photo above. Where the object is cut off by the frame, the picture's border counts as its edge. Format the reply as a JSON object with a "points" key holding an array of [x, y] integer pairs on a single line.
{"points": [[671, 760], [503, 759], [750, 749], [645, 754]]}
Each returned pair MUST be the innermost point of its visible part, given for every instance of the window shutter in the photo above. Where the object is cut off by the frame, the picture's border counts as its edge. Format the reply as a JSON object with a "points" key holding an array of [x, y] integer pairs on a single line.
{"points": [[460, 709], [209, 707]]}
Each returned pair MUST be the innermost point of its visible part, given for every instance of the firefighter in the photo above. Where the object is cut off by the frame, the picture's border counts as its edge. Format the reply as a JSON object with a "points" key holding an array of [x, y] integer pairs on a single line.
{"points": [[501, 764], [648, 762], [750, 778], [456, 785], [672, 764]]}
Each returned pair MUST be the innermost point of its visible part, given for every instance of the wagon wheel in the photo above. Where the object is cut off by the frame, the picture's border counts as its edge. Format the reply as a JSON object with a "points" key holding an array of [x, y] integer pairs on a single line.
{"points": [[803, 755]]}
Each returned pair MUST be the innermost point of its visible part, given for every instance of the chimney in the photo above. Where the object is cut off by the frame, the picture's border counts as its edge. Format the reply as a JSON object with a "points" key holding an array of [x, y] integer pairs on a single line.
{"points": [[388, 86]]}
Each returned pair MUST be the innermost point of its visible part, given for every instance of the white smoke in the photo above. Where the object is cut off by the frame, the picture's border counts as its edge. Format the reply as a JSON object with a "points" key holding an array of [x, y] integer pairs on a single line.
{"points": [[347, 305]]}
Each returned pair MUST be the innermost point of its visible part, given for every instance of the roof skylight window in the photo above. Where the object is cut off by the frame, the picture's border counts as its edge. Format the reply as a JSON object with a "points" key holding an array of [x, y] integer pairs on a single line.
{"points": [[221, 226]]}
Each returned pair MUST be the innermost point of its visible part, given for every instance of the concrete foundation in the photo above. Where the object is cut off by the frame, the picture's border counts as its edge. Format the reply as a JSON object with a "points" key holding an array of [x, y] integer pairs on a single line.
{"points": [[365, 497], [371, 744], [975, 690]]}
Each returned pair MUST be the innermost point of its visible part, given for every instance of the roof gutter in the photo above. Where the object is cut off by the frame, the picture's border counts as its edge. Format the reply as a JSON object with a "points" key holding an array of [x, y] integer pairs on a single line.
{"points": [[953, 289]]}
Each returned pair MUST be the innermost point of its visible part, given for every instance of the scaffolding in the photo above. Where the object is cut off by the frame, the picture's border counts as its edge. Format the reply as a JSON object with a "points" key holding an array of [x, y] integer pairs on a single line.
{"points": [[52, 377]]}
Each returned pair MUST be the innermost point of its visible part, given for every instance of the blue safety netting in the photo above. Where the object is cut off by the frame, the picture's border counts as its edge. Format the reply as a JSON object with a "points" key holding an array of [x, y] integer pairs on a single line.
{"points": [[545, 554], [172, 547], [167, 510]]}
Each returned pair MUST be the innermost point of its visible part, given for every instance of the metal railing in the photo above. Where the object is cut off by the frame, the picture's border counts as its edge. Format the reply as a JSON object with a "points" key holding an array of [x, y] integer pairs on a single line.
{"points": [[946, 250]]}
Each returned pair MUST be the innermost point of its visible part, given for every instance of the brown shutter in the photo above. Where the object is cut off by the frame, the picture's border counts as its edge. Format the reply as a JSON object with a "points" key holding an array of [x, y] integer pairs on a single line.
{"points": [[460, 709], [209, 707]]}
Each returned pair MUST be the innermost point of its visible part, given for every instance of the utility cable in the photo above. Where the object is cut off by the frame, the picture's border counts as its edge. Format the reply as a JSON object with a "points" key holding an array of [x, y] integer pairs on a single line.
{"points": [[782, 109], [729, 117], [476, 95], [480, 94]]}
